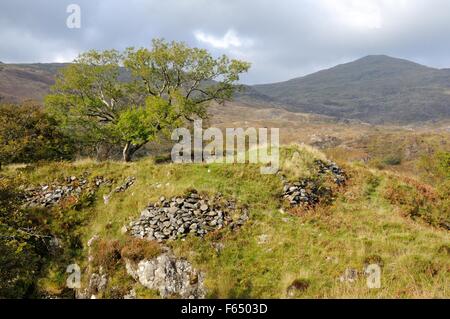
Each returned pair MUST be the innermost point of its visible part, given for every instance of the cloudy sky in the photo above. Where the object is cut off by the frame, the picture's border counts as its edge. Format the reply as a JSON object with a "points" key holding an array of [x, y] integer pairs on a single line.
{"points": [[283, 38]]}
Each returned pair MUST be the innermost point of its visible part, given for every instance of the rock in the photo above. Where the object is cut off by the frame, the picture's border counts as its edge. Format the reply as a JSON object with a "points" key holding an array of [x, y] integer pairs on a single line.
{"points": [[130, 295], [350, 275], [297, 286], [55, 245], [168, 275], [124, 230], [127, 184], [98, 283], [445, 225], [263, 239], [92, 240], [218, 247], [106, 199]]}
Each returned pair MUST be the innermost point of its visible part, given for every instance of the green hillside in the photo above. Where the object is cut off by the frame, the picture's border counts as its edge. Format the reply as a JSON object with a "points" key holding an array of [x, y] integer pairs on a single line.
{"points": [[280, 251]]}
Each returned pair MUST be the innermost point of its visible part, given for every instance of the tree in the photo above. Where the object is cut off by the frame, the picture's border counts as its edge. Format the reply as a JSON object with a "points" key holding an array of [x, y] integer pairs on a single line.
{"points": [[133, 97], [27, 134]]}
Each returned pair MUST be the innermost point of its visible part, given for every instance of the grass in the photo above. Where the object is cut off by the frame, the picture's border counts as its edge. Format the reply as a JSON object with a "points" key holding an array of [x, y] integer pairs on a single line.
{"points": [[304, 255], [320, 246]]}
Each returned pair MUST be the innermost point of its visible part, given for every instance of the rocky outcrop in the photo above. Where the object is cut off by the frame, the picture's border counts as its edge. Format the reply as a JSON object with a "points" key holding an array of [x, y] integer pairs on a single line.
{"points": [[170, 276], [192, 214]]}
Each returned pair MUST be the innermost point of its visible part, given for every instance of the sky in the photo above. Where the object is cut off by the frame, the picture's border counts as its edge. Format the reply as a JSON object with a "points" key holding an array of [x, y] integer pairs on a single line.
{"points": [[283, 39]]}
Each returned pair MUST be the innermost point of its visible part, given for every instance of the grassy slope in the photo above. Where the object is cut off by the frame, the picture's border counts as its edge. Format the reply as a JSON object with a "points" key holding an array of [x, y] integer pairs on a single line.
{"points": [[316, 246]]}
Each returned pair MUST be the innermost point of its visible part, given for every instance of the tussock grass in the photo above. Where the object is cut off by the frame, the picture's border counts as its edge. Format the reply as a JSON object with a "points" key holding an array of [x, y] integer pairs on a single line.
{"points": [[297, 161]]}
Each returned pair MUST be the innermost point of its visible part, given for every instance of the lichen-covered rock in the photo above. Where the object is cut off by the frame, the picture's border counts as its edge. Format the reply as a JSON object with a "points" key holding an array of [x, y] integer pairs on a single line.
{"points": [[169, 275], [97, 283]]}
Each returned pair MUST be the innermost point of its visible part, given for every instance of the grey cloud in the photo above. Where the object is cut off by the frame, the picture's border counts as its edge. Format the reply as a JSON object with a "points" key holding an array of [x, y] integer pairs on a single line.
{"points": [[288, 38]]}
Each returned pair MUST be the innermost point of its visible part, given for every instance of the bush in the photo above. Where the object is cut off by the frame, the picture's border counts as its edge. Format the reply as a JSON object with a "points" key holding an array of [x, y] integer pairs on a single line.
{"points": [[106, 254], [418, 200], [392, 160], [436, 167], [28, 135], [21, 244]]}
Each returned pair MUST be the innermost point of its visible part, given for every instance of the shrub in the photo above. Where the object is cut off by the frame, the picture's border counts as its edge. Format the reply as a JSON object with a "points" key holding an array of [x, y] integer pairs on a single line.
{"points": [[21, 244], [28, 135], [418, 201], [436, 167], [106, 254], [392, 160]]}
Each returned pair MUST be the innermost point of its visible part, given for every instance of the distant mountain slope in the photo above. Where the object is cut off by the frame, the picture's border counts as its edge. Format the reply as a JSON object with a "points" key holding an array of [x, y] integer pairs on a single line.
{"points": [[373, 89], [19, 82]]}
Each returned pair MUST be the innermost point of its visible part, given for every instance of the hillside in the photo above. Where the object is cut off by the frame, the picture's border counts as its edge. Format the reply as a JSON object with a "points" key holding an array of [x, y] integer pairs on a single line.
{"points": [[279, 250], [374, 89], [19, 82]]}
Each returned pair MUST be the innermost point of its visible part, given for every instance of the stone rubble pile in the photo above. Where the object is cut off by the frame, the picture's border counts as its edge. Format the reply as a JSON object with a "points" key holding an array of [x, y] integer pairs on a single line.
{"points": [[51, 194], [127, 184], [177, 217], [304, 192], [307, 192], [119, 189], [339, 175]]}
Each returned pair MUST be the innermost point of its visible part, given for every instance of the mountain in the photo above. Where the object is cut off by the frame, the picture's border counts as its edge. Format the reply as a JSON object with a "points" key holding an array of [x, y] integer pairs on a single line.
{"points": [[373, 89], [19, 82]]}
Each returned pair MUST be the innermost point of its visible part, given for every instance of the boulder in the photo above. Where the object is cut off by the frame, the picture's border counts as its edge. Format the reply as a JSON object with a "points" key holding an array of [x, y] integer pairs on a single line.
{"points": [[169, 275]]}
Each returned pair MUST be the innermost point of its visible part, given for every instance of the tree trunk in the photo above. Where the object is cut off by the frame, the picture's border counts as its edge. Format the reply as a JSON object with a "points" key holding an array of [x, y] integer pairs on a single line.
{"points": [[127, 152], [130, 149]]}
